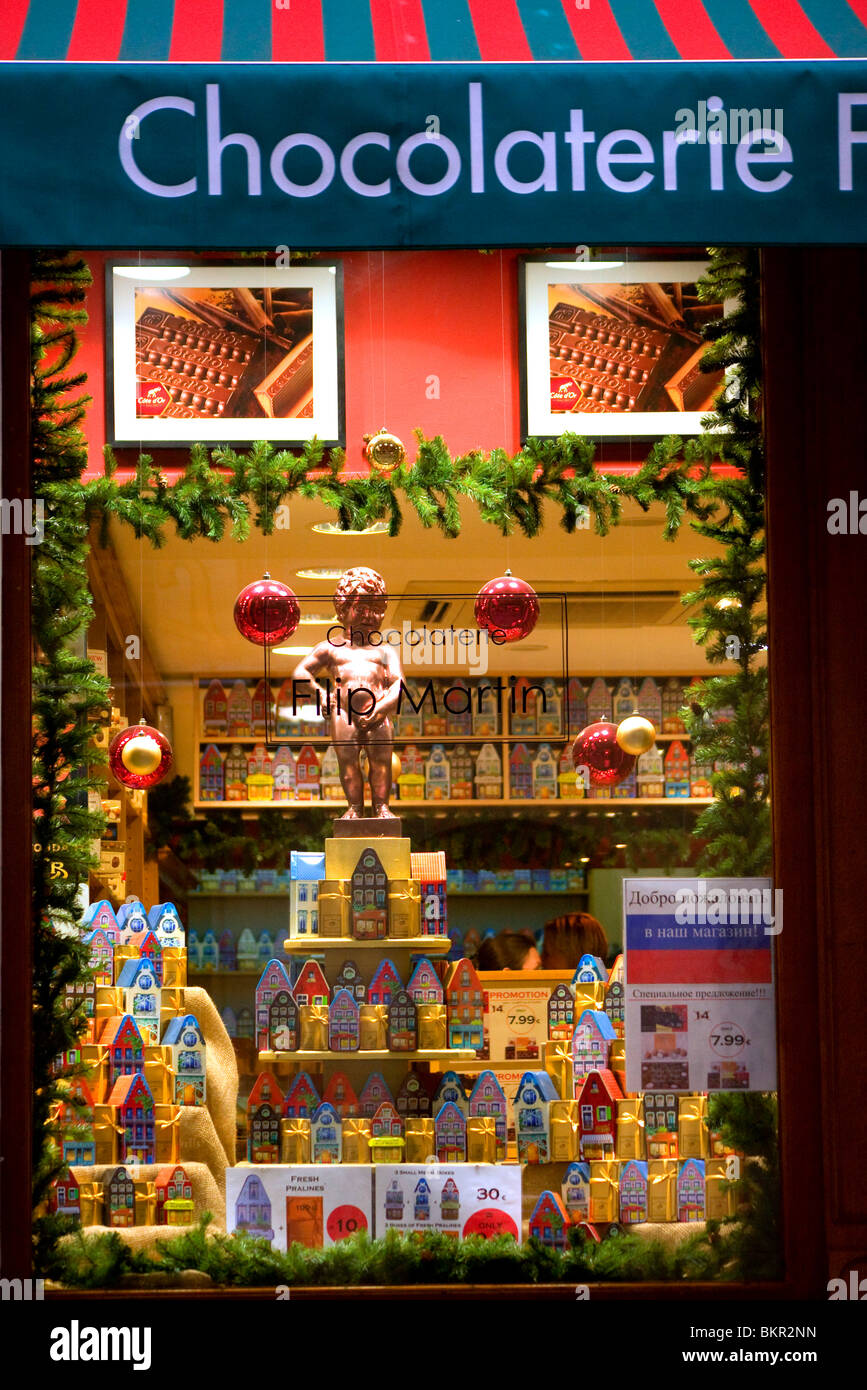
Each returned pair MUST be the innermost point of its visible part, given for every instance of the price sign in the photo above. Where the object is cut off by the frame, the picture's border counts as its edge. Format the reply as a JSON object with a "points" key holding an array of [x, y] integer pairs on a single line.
{"points": [[311, 1204], [516, 1024], [457, 1198]]}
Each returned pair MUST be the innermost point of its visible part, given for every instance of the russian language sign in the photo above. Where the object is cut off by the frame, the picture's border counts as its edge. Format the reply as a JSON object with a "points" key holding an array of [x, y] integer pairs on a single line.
{"points": [[437, 154], [699, 983]]}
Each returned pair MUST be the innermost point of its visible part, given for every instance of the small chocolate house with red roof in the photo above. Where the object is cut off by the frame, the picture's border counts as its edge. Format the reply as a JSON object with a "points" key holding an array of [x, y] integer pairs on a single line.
{"points": [[311, 987], [385, 983], [301, 1098], [550, 1222], [343, 1023], [64, 1195], [215, 709], [147, 946], [386, 1123], [131, 1096], [487, 1099], [597, 1114], [592, 1037], [273, 980], [101, 915], [211, 782], [121, 1039], [369, 894], [465, 1006], [101, 959], [260, 702], [341, 1094], [263, 1120], [425, 985], [171, 1183], [74, 1118]]}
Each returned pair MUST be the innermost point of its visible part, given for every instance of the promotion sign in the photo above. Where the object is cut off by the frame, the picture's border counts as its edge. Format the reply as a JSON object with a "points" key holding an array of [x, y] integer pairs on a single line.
{"points": [[460, 1199], [699, 984], [308, 1204], [516, 1024]]}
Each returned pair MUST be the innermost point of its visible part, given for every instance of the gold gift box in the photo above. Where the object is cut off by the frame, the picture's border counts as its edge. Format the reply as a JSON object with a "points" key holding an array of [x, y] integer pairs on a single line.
{"points": [[94, 1061], [334, 903], [404, 908], [166, 1125], [174, 967], [294, 1141], [373, 1027], [432, 1030], [172, 998], [90, 1197], [108, 1001], [589, 994], [692, 1137], [558, 1065], [145, 1203], [661, 1189], [313, 1028], [104, 1134], [356, 1140], [604, 1190], [342, 856], [720, 1195], [564, 1131], [482, 1145], [420, 1139], [158, 1073], [629, 1141]]}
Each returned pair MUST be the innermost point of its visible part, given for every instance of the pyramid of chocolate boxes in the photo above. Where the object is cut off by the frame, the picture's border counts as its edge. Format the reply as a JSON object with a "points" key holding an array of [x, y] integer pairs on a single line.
{"points": [[141, 1058], [375, 896]]}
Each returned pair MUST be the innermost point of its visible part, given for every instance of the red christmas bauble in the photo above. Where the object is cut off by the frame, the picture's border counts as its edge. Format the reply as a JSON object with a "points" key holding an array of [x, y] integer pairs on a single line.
{"points": [[140, 756], [597, 749], [507, 607], [266, 612]]}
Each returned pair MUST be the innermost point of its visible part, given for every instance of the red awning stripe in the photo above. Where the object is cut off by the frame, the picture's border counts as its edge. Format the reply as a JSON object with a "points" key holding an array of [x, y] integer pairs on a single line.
{"points": [[788, 27], [499, 32], [197, 31], [399, 31], [297, 33], [597, 34], [98, 31], [13, 14], [691, 31]]}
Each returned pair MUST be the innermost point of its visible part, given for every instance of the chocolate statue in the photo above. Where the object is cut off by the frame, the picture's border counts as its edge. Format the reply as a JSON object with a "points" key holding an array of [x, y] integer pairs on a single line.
{"points": [[365, 682]]}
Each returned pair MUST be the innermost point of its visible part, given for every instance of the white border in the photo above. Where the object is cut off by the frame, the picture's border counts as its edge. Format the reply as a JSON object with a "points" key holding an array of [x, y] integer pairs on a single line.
{"points": [[128, 429]]}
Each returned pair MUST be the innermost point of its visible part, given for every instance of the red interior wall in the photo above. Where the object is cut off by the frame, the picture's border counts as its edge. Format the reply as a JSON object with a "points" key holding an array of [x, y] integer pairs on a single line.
{"points": [[409, 316]]}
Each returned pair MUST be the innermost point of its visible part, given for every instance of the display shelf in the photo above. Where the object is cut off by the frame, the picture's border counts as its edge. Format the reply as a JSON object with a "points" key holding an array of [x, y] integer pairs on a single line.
{"points": [[520, 893], [437, 944], [225, 974], [470, 804], [440, 1054]]}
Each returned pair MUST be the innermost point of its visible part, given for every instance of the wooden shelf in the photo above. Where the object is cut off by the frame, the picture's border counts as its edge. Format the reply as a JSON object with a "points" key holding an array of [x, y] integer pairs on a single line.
{"points": [[443, 1054], [516, 803], [435, 944], [519, 893]]}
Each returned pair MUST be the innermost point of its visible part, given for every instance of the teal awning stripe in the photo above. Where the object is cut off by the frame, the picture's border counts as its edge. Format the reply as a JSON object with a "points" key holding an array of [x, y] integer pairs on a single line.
{"points": [[450, 32], [643, 31], [547, 30], [246, 31], [736, 23], [47, 29], [842, 31], [147, 33], [348, 31]]}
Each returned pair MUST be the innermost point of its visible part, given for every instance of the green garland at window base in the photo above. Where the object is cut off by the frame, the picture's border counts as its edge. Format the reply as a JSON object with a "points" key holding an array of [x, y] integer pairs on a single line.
{"points": [[241, 1261]]}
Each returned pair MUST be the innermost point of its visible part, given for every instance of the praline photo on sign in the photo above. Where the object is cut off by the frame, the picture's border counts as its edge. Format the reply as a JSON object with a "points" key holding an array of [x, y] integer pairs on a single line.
{"points": [[363, 692]]}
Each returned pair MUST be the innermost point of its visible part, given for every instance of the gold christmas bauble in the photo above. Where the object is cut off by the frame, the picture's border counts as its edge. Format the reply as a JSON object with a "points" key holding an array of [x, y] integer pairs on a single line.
{"points": [[141, 755], [635, 735], [365, 765], [395, 767], [385, 452]]}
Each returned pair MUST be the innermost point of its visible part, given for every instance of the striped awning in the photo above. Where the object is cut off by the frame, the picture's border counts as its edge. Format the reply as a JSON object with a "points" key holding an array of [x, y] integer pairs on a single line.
{"points": [[395, 31]]}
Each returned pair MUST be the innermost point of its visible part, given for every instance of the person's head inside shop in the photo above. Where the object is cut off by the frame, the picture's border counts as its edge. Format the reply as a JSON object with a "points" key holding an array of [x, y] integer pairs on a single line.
{"points": [[509, 950], [570, 937]]}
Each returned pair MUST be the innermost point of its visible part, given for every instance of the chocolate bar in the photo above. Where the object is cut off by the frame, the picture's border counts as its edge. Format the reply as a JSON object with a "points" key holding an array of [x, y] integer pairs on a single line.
{"points": [[284, 389], [691, 388], [201, 367], [620, 366]]}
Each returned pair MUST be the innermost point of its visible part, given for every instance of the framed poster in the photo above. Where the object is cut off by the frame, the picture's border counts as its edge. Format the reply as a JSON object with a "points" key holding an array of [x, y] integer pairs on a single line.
{"points": [[223, 354], [613, 350], [699, 984]]}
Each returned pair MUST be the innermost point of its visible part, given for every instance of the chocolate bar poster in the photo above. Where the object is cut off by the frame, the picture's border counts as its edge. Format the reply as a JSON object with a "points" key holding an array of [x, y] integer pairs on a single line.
{"points": [[224, 354], [699, 983], [615, 349], [306, 1204], [459, 1199]]}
